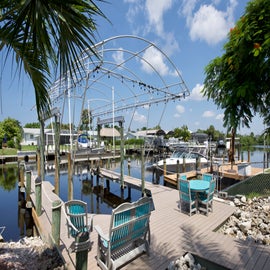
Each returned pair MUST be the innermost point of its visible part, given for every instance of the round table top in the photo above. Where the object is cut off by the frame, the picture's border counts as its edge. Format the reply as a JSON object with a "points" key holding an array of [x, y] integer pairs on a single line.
{"points": [[199, 185]]}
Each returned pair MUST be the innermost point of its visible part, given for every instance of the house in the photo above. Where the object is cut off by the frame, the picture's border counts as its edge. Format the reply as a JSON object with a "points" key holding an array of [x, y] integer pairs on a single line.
{"points": [[31, 136]]}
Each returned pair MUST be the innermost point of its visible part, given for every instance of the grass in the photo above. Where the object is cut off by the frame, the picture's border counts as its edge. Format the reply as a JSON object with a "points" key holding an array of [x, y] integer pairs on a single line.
{"points": [[256, 186], [13, 151]]}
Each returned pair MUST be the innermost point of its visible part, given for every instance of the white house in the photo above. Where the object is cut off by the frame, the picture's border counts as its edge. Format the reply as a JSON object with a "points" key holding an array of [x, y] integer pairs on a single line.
{"points": [[31, 136]]}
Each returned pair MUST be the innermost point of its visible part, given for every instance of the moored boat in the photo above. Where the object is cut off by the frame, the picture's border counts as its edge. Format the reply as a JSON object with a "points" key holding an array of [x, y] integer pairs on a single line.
{"points": [[188, 160]]}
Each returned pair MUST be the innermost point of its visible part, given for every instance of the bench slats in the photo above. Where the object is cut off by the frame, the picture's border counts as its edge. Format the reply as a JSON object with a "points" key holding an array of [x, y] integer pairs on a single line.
{"points": [[129, 234]]}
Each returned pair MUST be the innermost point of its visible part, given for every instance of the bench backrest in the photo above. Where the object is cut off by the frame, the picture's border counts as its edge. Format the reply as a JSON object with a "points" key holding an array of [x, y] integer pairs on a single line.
{"points": [[130, 222]]}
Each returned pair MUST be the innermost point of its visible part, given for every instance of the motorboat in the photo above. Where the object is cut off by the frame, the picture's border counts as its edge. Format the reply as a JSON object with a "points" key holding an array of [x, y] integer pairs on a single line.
{"points": [[188, 160]]}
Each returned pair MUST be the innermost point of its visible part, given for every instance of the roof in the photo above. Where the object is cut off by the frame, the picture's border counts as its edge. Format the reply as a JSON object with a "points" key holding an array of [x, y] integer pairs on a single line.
{"points": [[108, 132], [149, 132]]}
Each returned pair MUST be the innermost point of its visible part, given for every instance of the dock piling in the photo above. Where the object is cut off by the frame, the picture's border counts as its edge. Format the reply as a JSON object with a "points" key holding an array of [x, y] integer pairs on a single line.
{"points": [[38, 188], [56, 221], [82, 246]]}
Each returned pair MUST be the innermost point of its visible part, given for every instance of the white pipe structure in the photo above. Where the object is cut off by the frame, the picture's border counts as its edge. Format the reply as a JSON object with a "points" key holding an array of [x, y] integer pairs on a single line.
{"points": [[69, 117], [89, 108], [113, 120]]}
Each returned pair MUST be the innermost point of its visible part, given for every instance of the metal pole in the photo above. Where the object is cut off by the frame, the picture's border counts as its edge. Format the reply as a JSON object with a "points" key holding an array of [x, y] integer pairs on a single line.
{"points": [[57, 153], [89, 119], [69, 118], [113, 120]]}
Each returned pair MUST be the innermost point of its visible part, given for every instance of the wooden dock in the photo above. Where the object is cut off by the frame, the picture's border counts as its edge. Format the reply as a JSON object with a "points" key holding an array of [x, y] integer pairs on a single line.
{"points": [[172, 233], [224, 170]]}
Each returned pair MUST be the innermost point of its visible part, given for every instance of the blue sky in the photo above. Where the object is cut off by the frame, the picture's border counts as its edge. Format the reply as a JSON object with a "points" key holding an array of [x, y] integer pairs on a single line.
{"points": [[190, 32]]}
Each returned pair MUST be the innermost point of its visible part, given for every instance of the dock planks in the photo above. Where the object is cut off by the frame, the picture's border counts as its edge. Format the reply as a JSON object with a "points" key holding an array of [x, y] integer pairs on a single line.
{"points": [[224, 170], [172, 233]]}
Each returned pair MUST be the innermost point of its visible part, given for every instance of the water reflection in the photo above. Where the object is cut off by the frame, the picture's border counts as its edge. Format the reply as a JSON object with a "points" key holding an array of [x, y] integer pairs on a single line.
{"points": [[8, 177], [18, 221]]}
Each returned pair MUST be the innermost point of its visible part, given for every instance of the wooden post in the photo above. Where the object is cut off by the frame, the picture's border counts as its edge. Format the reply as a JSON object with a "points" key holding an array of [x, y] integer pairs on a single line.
{"points": [[142, 173], [28, 185], [56, 221], [70, 178], [42, 151], [122, 153], [38, 191], [82, 253], [177, 170], [164, 167], [184, 164], [38, 162], [21, 175], [129, 166]]}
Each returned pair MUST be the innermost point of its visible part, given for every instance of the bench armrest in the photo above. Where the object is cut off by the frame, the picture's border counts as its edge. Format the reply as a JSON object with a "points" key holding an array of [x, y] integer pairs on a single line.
{"points": [[101, 234]]}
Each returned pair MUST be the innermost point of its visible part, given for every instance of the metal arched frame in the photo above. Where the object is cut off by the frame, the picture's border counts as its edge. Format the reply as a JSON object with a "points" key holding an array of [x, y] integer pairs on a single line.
{"points": [[133, 86]]}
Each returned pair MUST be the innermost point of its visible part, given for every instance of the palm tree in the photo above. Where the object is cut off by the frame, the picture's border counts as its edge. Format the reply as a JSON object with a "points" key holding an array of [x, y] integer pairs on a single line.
{"points": [[46, 37]]}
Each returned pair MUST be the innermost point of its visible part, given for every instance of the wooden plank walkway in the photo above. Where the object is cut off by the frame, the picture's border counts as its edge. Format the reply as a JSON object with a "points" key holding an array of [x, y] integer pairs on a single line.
{"points": [[225, 170], [172, 233]]}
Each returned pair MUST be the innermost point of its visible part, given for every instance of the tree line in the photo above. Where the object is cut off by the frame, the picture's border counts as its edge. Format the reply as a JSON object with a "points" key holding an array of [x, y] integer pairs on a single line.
{"points": [[11, 134]]}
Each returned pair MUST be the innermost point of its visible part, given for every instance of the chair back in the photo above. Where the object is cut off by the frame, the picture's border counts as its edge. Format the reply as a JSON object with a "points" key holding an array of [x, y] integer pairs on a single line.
{"points": [[130, 222], [211, 189], [207, 177], [76, 211], [184, 190], [183, 176]]}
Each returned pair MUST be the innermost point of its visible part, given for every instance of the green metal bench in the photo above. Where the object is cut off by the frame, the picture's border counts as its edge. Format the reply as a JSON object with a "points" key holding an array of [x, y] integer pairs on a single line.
{"points": [[129, 234]]}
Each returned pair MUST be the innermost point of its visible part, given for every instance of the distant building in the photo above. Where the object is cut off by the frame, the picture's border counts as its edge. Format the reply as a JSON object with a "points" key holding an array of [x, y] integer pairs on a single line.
{"points": [[31, 136]]}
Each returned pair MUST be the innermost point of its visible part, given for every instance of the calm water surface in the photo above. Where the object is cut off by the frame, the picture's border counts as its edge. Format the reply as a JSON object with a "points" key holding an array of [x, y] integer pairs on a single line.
{"points": [[16, 219], [11, 214]]}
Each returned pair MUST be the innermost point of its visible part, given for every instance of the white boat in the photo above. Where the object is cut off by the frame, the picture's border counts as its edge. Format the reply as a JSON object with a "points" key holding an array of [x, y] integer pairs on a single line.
{"points": [[190, 159]]}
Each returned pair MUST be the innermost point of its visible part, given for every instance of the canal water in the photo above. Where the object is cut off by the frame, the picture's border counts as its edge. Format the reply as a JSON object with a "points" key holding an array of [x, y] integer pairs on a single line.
{"points": [[17, 220]]}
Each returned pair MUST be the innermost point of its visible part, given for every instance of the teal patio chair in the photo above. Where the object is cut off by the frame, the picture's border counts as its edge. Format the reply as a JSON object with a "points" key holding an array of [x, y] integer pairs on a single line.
{"points": [[207, 177], [205, 200], [183, 176], [77, 220], [187, 198]]}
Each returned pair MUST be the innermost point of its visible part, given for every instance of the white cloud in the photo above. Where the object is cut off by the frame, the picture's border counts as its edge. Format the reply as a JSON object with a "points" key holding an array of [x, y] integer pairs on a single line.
{"points": [[135, 7], [180, 109], [139, 118], [207, 23], [220, 116], [208, 114], [147, 16], [118, 56], [196, 93], [156, 59], [155, 10]]}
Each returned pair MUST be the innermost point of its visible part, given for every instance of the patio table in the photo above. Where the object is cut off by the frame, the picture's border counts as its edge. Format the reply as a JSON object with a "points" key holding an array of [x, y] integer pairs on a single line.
{"points": [[198, 186]]}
